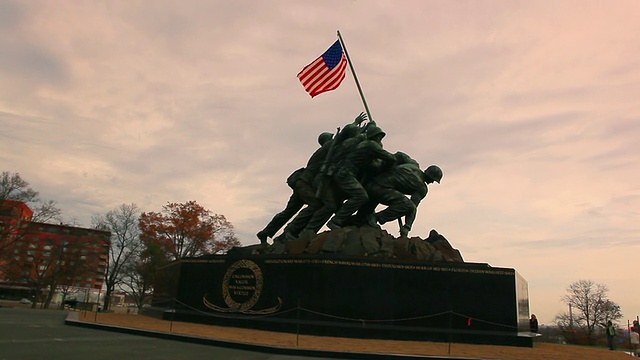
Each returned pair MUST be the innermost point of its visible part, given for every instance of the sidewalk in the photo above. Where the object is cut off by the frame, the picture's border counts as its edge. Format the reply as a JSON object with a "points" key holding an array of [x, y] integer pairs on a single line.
{"points": [[330, 347], [275, 343]]}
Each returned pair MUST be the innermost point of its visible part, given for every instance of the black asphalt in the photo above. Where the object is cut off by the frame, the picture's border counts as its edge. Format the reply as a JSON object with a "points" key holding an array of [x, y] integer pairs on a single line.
{"points": [[42, 334]]}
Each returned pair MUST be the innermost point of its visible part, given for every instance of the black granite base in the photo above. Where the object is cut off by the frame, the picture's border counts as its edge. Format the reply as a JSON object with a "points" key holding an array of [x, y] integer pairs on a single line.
{"points": [[349, 297]]}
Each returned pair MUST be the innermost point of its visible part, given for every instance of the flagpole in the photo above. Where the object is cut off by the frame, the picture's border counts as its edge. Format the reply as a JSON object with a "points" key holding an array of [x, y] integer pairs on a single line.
{"points": [[355, 77]]}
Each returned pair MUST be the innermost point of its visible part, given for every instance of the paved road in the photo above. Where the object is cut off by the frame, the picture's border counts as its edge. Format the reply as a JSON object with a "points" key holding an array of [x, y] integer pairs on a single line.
{"points": [[42, 334]]}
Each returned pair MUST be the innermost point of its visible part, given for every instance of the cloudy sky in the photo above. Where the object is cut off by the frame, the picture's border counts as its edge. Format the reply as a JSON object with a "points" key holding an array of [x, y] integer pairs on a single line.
{"points": [[531, 109]]}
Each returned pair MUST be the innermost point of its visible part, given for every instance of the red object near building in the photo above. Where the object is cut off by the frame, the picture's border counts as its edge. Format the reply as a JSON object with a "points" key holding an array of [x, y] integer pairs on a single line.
{"points": [[45, 255]]}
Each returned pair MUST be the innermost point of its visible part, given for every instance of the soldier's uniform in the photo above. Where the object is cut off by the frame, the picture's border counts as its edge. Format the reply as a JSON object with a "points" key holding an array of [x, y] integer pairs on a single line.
{"points": [[297, 200], [308, 178], [301, 182], [391, 187], [352, 169], [314, 217]]}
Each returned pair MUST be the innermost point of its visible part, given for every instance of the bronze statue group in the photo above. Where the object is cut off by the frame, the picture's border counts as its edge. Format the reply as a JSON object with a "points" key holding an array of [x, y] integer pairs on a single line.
{"points": [[346, 179]]}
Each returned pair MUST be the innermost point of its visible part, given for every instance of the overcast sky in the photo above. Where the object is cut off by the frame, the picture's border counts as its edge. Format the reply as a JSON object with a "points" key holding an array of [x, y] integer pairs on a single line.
{"points": [[531, 108]]}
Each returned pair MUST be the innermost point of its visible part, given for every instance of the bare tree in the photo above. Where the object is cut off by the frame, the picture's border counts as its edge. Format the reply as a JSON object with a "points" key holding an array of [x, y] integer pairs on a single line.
{"points": [[43, 265], [122, 222], [33, 269], [591, 309], [137, 282], [46, 212], [72, 262], [139, 276], [13, 187]]}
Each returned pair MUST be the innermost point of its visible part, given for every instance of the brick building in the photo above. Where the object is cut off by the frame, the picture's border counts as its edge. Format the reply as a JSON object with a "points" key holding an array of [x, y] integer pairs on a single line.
{"points": [[42, 256]]}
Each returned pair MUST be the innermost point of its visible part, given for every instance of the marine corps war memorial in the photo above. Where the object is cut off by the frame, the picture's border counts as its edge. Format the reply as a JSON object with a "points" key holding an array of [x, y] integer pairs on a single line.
{"points": [[325, 266]]}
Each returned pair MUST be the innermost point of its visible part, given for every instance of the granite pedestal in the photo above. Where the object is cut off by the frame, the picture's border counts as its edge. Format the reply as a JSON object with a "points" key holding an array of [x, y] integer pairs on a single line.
{"points": [[349, 297]]}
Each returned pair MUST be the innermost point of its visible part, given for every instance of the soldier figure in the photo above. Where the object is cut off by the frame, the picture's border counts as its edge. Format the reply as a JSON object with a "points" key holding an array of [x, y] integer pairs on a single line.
{"points": [[351, 173], [315, 215], [303, 191], [353, 168], [390, 187]]}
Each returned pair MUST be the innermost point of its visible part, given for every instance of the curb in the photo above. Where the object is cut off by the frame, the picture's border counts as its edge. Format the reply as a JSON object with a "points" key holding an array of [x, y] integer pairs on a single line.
{"points": [[73, 320]]}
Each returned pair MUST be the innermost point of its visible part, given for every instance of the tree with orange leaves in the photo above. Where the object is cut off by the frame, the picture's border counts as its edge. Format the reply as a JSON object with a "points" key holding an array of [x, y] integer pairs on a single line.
{"points": [[187, 230]]}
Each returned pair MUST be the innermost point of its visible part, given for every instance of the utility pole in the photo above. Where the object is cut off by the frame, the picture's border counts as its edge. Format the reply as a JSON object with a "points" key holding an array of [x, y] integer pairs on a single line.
{"points": [[570, 318]]}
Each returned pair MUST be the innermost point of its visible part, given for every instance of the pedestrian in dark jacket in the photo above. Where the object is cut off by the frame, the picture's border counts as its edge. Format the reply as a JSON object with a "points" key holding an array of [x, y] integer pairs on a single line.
{"points": [[533, 323], [611, 332]]}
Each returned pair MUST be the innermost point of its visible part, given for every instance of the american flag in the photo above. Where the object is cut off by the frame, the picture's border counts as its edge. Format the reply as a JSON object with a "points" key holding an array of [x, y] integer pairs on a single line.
{"points": [[326, 72]]}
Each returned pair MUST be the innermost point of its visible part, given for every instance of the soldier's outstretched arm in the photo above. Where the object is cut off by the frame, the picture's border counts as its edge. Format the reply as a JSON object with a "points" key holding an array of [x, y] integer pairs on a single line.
{"points": [[416, 197], [360, 118]]}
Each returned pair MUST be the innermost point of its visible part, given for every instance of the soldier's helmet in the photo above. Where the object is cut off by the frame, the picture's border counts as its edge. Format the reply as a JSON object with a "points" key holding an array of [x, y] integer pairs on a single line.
{"points": [[374, 132], [433, 173], [402, 158], [324, 137]]}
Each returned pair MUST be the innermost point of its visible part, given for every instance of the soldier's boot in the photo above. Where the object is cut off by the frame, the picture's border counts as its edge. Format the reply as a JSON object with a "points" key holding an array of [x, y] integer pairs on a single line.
{"points": [[333, 224], [372, 221], [289, 236], [280, 239], [262, 236], [285, 237], [404, 231]]}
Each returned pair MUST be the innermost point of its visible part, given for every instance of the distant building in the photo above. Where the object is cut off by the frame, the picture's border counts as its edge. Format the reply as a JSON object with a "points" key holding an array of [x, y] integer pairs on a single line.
{"points": [[12, 215], [48, 254]]}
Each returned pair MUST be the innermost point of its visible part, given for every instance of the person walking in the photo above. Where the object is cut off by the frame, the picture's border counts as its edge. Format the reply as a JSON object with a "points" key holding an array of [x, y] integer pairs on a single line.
{"points": [[611, 333], [533, 324], [634, 339]]}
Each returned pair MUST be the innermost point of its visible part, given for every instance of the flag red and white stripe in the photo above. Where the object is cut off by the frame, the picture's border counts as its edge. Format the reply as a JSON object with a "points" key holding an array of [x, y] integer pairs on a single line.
{"points": [[326, 72]]}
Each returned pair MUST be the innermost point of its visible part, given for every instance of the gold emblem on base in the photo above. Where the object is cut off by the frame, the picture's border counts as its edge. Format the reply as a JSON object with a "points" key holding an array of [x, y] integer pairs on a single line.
{"points": [[241, 289]]}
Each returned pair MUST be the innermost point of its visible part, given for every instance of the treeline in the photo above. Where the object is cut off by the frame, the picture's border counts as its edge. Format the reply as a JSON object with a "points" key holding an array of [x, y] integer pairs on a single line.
{"points": [[140, 242]]}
